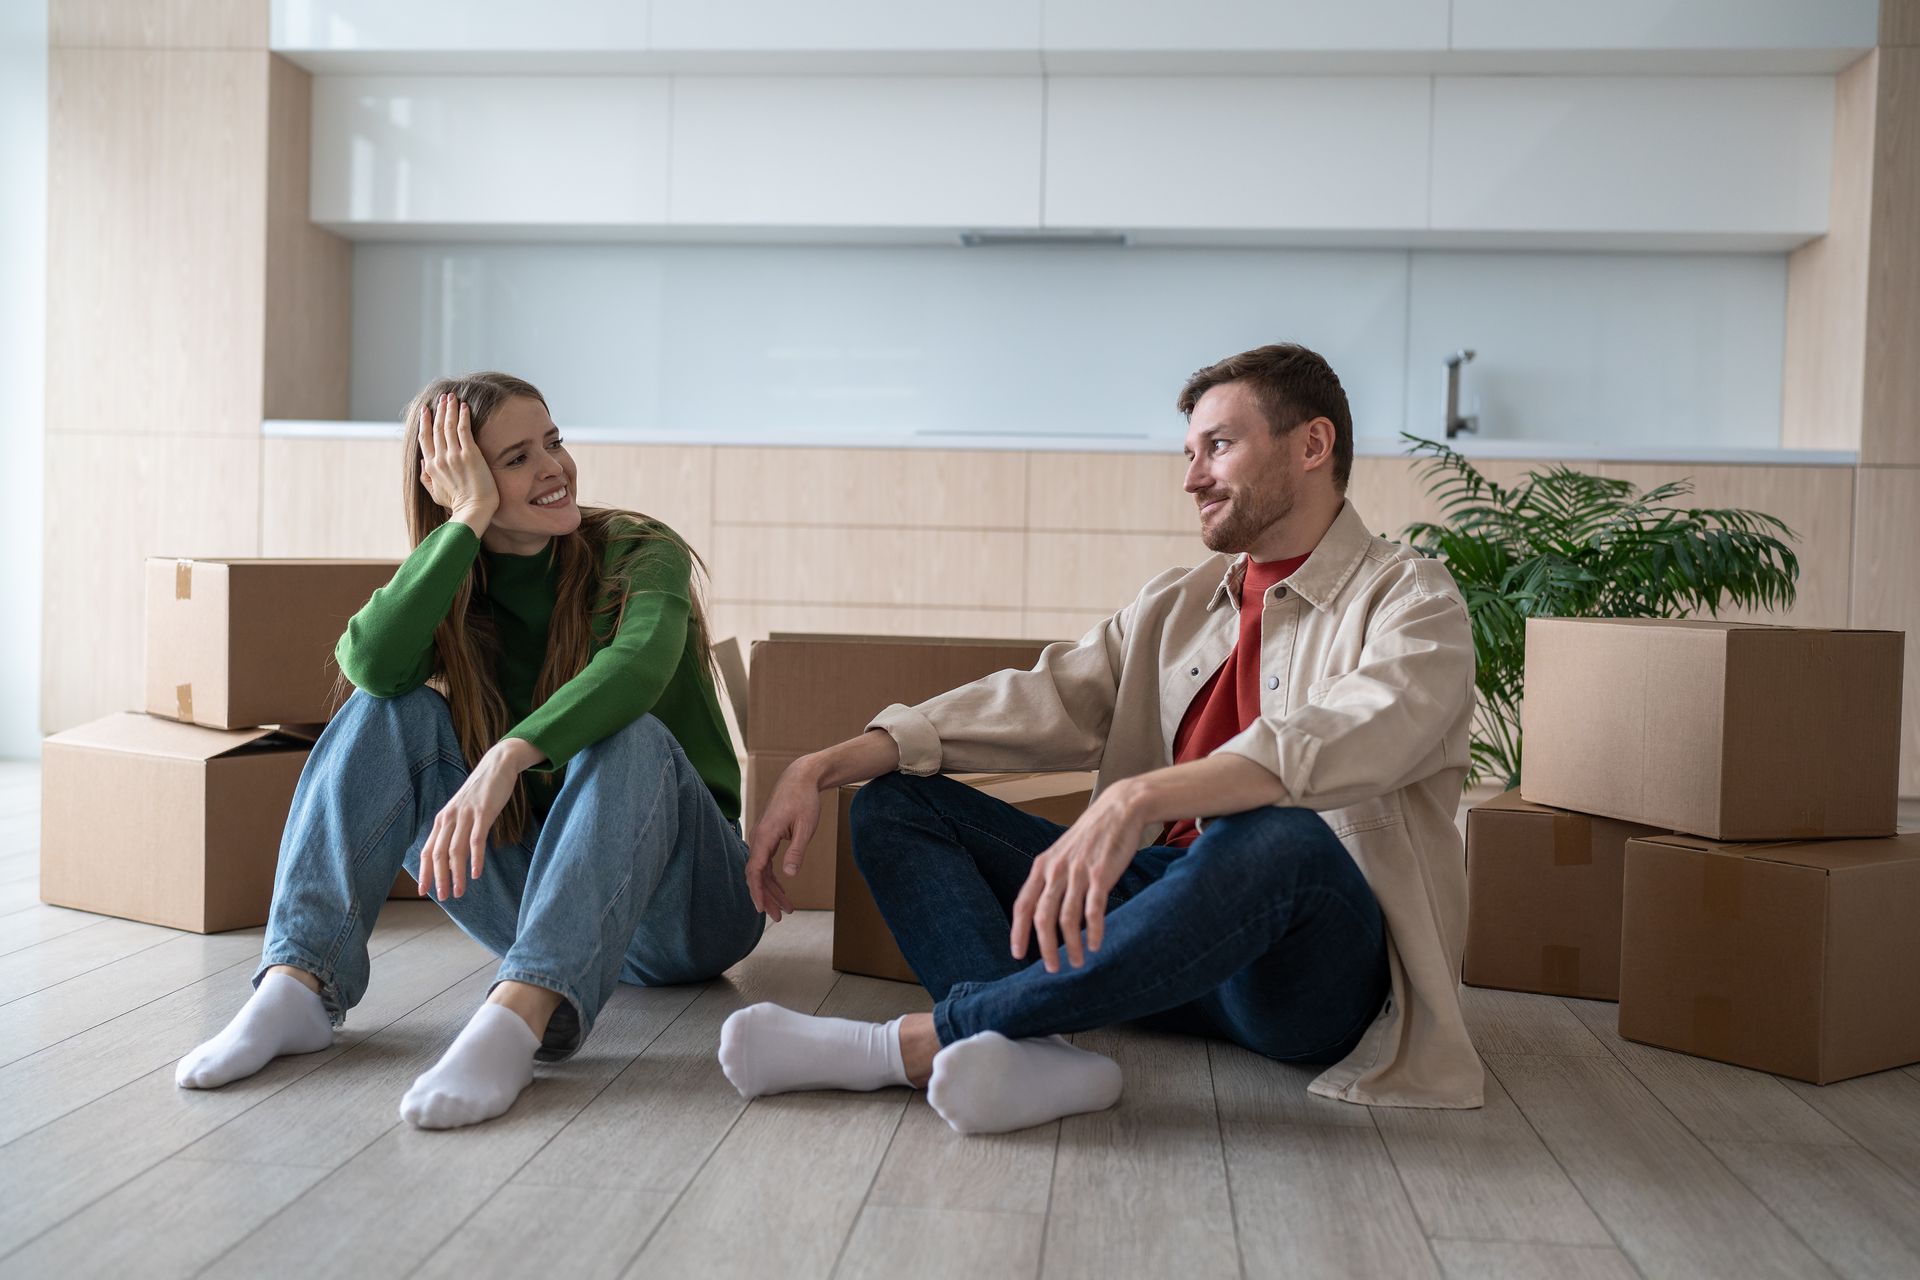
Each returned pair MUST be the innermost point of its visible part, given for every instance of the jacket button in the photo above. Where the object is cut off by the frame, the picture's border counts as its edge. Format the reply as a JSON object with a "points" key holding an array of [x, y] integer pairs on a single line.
{"points": [[1194, 672], [1273, 682]]}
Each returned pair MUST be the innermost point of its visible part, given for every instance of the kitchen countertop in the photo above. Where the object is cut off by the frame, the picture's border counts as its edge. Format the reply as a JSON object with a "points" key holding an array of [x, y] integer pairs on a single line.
{"points": [[1097, 442]]}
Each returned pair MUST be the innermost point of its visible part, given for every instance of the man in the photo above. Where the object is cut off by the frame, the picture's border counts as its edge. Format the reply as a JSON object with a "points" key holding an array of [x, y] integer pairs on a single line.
{"points": [[1270, 856]]}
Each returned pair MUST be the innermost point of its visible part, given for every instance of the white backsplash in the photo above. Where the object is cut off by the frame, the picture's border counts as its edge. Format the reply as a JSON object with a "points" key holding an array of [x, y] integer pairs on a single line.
{"points": [[812, 342]]}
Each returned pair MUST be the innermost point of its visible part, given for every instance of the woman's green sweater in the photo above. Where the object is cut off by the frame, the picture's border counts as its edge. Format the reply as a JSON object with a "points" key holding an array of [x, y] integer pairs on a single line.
{"points": [[648, 666]]}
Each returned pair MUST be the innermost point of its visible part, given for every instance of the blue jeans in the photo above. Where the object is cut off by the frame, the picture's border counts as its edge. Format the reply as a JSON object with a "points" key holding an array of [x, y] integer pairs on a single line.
{"points": [[1263, 932], [634, 876]]}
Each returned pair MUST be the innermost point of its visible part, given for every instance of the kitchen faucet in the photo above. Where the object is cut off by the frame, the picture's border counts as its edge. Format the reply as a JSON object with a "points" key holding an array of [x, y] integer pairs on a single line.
{"points": [[1455, 423]]}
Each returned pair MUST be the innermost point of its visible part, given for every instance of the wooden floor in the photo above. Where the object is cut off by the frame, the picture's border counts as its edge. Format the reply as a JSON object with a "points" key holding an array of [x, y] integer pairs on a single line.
{"points": [[1593, 1157]]}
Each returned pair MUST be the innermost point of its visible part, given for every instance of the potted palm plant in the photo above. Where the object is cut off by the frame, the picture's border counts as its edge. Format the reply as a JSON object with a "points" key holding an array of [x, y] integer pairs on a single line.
{"points": [[1561, 543]]}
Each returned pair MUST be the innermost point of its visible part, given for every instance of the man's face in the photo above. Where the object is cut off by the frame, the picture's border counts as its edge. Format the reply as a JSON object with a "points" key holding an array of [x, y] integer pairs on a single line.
{"points": [[1240, 474]]}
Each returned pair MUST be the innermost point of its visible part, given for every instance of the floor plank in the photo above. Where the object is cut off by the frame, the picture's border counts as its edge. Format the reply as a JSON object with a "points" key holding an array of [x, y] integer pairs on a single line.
{"points": [[89, 1150], [80, 1068], [1668, 1201], [1491, 1260], [656, 1123], [29, 970], [1298, 1192], [172, 1220], [32, 922], [1142, 1187], [586, 1233], [942, 1244], [1485, 1175], [1517, 1022], [1859, 1215], [467, 1168], [1715, 1100], [1880, 1112]]}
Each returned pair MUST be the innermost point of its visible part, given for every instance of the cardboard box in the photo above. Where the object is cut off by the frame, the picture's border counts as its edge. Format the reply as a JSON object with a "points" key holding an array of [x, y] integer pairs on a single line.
{"points": [[1543, 898], [1800, 958], [1723, 729], [234, 643], [169, 823], [806, 692], [861, 941]]}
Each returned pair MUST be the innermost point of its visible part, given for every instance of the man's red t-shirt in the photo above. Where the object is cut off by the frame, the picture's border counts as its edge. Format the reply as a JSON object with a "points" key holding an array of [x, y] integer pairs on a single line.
{"points": [[1230, 701]]}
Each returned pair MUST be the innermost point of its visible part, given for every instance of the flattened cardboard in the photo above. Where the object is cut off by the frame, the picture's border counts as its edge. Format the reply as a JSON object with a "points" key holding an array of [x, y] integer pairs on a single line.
{"points": [[862, 943], [1543, 898], [1798, 958], [232, 643], [1730, 730], [169, 823], [806, 692]]}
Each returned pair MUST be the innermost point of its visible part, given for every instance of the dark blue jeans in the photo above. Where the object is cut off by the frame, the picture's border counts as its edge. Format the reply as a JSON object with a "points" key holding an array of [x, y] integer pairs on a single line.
{"points": [[1263, 932]]}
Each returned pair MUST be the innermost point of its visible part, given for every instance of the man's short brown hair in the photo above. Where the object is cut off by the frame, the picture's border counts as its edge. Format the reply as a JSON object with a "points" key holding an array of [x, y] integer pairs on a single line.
{"points": [[1292, 386]]}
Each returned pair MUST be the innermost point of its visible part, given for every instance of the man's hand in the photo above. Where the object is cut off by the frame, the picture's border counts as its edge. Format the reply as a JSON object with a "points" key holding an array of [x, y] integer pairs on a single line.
{"points": [[1069, 883], [791, 816]]}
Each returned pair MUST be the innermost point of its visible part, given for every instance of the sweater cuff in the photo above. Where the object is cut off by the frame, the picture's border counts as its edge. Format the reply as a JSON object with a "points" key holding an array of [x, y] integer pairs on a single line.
{"points": [[914, 734]]}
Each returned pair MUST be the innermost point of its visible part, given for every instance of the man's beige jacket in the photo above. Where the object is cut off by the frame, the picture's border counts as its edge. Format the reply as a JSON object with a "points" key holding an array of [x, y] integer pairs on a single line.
{"points": [[1366, 687]]}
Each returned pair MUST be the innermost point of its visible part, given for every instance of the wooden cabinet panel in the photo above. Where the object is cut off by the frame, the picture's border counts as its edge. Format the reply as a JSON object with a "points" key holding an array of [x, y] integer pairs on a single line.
{"points": [[671, 483], [1121, 492], [1886, 589], [156, 241], [1077, 572], [112, 501], [157, 24], [902, 488], [795, 564], [331, 498]]}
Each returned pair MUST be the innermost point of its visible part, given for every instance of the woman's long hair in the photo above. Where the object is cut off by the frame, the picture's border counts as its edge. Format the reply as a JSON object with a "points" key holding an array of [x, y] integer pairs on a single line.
{"points": [[587, 592]]}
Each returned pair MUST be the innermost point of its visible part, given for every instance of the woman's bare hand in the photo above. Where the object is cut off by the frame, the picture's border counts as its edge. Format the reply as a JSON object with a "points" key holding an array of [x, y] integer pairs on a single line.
{"points": [[452, 467]]}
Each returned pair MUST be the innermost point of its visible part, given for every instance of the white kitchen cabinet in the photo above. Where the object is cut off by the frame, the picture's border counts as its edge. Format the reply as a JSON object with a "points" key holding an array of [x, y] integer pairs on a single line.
{"points": [[1666, 24], [857, 151], [1728, 155], [846, 25], [1244, 25], [438, 26], [489, 150], [1286, 153]]}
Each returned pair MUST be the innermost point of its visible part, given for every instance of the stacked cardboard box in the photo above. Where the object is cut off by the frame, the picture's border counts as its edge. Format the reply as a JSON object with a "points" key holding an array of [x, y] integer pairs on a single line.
{"points": [[807, 692], [174, 816], [1742, 778]]}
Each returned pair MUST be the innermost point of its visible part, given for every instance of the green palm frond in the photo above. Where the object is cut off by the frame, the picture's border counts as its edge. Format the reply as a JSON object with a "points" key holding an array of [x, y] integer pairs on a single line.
{"points": [[1563, 543]]}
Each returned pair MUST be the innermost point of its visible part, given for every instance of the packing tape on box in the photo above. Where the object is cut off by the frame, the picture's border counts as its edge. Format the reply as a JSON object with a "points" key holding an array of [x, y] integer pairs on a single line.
{"points": [[1572, 840], [1720, 886], [183, 702], [1560, 970], [1713, 1027], [183, 580]]}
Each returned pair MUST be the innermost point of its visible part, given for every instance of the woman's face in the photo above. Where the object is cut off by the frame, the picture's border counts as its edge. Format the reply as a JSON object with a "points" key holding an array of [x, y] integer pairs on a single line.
{"points": [[532, 470]]}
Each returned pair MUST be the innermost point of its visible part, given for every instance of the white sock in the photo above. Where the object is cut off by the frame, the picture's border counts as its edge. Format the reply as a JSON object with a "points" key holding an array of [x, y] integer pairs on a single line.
{"points": [[479, 1076], [281, 1016], [990, 1084], [767, 1049]]}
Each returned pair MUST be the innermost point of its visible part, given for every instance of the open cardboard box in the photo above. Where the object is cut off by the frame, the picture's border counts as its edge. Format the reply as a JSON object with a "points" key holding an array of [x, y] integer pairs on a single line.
{"points": [[174, 824]]}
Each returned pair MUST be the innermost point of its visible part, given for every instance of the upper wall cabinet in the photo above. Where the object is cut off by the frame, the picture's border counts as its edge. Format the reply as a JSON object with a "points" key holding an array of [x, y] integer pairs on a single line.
{"points": [[1653, 155], [1169, 152], [830, 26], [1245, 25], [1665, 24], [465, 151], [856, 151], [430, 26]]}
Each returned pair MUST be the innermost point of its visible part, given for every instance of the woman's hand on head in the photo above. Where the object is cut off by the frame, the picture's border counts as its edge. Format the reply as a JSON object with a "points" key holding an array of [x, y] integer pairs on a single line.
{"points": [[452, 468]]}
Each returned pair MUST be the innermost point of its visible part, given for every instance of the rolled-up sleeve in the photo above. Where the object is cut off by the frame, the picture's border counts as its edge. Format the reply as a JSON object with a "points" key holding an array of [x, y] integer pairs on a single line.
{"points": [[1382, 725], [1052, 717]]}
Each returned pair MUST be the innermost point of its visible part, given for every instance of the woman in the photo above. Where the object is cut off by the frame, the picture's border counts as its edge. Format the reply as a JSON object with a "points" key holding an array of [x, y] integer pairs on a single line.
{"points": [[535, 736]]}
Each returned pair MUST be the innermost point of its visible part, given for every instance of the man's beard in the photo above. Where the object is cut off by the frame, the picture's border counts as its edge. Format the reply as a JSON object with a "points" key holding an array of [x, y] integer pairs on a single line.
{"points": [[1249, 514]]}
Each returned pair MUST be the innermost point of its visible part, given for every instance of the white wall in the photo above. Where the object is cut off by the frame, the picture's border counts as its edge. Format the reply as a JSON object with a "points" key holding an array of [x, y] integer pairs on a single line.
{"points": [[812, 343], [23, 348]]}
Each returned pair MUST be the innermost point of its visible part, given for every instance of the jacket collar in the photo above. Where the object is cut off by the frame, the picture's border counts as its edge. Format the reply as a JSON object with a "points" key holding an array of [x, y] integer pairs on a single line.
{"points": [[1325, 574]]}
